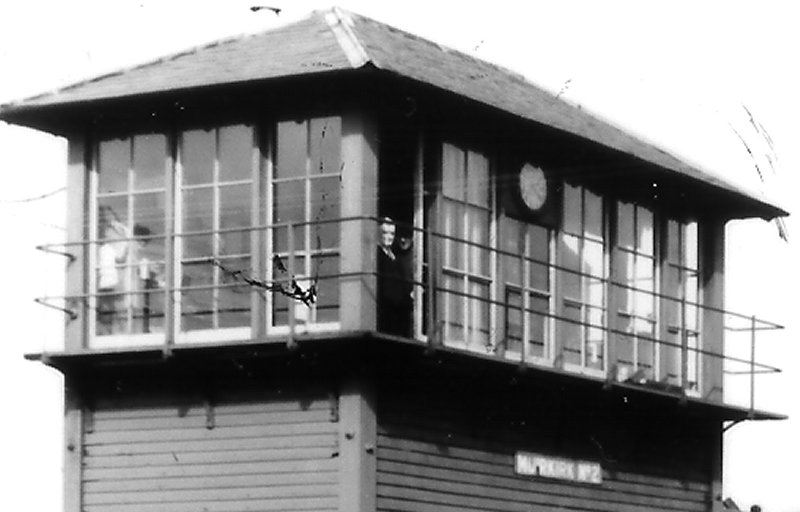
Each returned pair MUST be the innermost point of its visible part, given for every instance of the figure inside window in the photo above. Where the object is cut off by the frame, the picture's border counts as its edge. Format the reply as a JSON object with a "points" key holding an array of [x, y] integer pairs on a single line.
{"points": [[112, 255], [395, 280]]}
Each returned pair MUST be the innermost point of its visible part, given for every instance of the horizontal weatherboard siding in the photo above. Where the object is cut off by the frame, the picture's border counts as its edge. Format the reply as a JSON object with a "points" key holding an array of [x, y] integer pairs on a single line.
{"points": [[259, 455], [435, 458]]}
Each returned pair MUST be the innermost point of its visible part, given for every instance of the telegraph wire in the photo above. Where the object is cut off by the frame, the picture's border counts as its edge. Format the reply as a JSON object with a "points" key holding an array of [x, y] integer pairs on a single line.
{"points": [[32, 199]]}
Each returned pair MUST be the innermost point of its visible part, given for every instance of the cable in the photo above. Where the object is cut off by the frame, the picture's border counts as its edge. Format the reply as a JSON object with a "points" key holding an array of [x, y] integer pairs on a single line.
{"points": [[31, 199]]}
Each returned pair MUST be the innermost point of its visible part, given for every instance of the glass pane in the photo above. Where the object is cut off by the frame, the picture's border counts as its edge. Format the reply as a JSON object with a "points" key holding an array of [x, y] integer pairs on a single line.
{"points": [[149, 161], [289, 206], [149, 216], [478, 186], [325, 145], [114, 162], [478, 316], [595, 336], [538, 243], [325, 198], [625, 270], [645, 280], [670, 362], [233, 302], [539, 250], [673, 242], [572, 209], [280, 309], [197, 310], [112, 313], [646, 358], [235, 211], [148, 311], [292, 149], [454, 308], [453, 184], [198, 208], [539, 322], [513, 317], [479, 234], [290, 201], [593, 258], [690, 245], [197, 273], [197, 156], [235, 153], [644, 229], [454, 227], [593, 214], [571, 332], [326, 267], [112, 217], [625, 225], [570, 259]]}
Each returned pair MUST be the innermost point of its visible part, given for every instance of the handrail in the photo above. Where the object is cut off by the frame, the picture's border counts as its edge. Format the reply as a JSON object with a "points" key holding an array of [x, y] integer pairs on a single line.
{"points": [[435, 322]]}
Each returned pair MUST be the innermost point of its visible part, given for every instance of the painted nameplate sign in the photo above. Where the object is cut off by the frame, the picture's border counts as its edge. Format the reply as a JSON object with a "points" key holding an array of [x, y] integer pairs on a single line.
{"points": [[534, 464]]}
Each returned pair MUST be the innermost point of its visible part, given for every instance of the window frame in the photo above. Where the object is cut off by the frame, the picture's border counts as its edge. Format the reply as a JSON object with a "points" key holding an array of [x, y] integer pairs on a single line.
{"points": [[307, 253], [444, 245], [95, 340], [585, 324], [213, 334]]}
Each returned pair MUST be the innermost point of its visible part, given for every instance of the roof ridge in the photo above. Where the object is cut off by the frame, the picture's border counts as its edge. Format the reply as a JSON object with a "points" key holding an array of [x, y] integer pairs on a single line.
{"points": [[340, 22]]}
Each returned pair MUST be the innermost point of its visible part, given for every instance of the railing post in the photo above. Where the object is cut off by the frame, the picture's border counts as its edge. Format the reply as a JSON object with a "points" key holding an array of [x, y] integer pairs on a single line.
{"points": [[291, 343], [433, 324], [752, 364], [684, 347], [525, 303]]}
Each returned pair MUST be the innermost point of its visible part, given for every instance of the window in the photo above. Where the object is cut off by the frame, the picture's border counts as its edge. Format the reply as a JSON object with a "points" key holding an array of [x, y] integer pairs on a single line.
{"points": [[305, 196], [187, 227], [582, 281], [130, 221], [216, 203], [467, 264], [680, 311], [526, 283], [635, 270]]}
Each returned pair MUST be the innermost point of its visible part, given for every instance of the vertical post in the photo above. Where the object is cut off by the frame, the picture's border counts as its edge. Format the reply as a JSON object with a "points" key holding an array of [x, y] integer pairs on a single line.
{"points": [[77, 272], [525, 301], [357, 448], [359, 199], [420, 240], [291, 270], [73, 444], [684, 347], [172, 191], [434, 327], [712, 319], [752, 364], [259, 257]]}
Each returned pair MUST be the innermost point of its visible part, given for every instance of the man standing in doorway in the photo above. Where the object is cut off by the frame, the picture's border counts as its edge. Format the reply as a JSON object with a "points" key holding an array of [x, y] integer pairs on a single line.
{"points": [[394, 282]]}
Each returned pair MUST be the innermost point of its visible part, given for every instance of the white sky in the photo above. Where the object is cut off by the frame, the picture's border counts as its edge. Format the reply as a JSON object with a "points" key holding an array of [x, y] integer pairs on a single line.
{"points": [[677, 73]]}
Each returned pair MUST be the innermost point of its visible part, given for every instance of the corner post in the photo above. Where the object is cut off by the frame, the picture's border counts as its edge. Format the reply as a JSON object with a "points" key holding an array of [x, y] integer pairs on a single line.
{"points": [[73, 447], [77, 272], [357, 447], [359, 199]]}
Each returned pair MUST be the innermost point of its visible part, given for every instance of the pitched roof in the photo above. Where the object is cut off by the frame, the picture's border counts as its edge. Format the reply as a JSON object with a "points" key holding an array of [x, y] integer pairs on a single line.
{"points": [[336, 40]]}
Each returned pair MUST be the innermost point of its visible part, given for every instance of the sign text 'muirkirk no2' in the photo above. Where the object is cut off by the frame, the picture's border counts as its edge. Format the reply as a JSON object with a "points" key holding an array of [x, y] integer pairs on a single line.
{"points": [[534, 464]]}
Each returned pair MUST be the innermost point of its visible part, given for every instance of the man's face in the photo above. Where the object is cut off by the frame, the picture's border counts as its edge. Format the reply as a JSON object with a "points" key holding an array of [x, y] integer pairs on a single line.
{"points": [[387, 235]]}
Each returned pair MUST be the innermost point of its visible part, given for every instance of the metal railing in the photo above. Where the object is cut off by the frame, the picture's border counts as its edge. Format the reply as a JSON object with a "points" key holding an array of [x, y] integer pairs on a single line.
{"points": [[430, 317]]}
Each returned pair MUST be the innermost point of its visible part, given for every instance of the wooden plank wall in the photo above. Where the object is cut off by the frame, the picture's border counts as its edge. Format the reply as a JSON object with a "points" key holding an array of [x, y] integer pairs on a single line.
{"points": [[276, 454], [440, 457]]}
